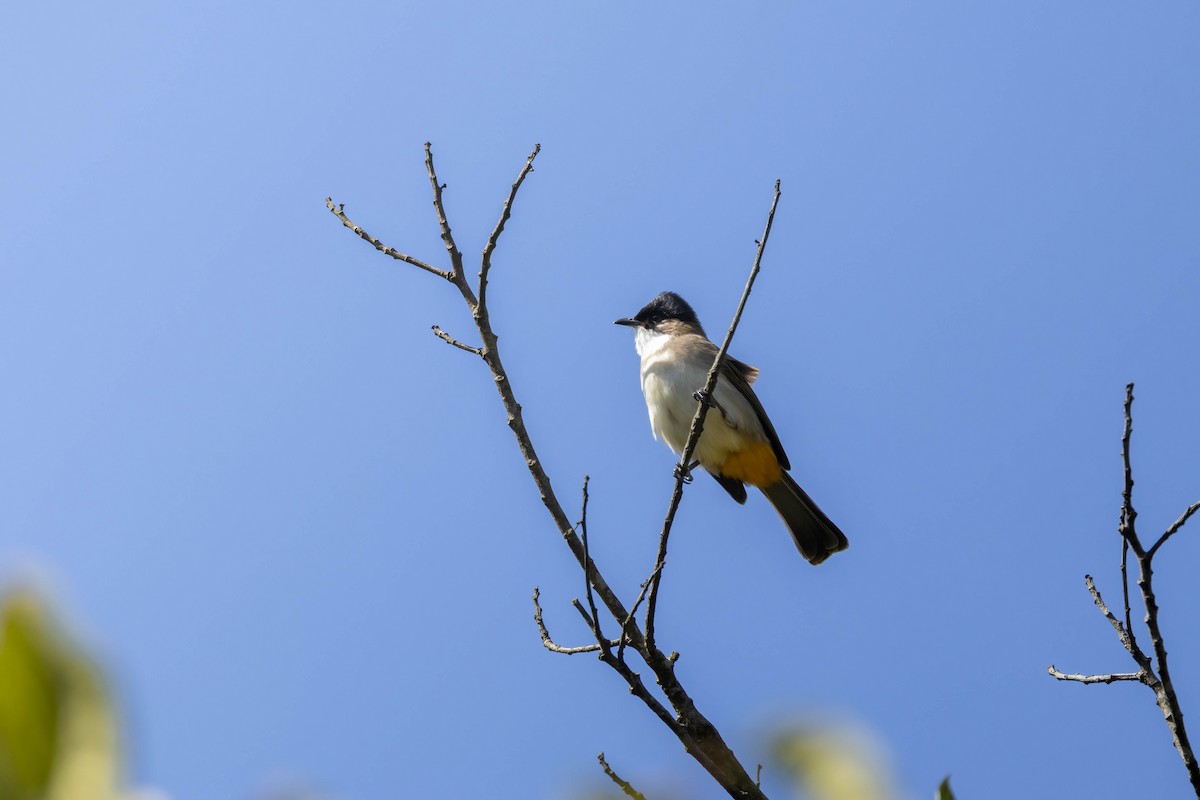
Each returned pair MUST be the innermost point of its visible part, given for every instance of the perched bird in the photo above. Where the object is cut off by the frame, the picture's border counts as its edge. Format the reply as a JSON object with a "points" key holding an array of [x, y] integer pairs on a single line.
{"points": [[739, 444]]}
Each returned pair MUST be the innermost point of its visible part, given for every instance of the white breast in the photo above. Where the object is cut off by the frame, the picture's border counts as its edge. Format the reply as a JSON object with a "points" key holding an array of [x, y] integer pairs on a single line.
{"points": [[669, 383]]}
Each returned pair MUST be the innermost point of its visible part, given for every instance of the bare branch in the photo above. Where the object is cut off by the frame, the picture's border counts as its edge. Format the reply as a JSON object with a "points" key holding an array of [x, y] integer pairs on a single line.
{"points": [[548, 642], [1125, 589], [1153, 673], [490, 247], [1126, 526], [448, 339], [1122, 633], [683, 470], [378, 245], [1164, 688], [1175, 526], [589, 566], [698, 736], [456, 267], [1128, 514], [629, 620], [625, 786], [1113, 678], [681, 727]]}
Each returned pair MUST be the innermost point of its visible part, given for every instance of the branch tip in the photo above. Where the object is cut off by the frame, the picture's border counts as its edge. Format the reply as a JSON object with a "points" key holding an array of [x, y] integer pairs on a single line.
{"points": [[625, 786], [450, 340]]}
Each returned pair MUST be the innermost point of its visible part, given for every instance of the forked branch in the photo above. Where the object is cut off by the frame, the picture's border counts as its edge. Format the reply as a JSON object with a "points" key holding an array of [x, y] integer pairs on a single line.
{"points": [[1152, 671], [698, 736]]}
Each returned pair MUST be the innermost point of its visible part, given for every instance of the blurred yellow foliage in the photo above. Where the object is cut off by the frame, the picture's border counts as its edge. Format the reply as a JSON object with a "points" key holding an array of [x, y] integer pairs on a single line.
{"points": [[835, 763]]}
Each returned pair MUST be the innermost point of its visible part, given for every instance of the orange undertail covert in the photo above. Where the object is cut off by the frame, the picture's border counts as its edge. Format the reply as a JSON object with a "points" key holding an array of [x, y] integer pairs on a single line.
{"points": [[755, 465]]}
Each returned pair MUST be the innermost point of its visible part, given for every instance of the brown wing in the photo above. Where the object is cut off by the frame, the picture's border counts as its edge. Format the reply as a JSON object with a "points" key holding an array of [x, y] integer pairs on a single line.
{"points": [[741, 376], [748, 372]]}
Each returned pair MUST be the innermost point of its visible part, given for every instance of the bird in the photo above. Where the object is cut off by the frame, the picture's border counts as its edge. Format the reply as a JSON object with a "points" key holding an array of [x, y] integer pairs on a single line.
{"points": [[739, 444]]}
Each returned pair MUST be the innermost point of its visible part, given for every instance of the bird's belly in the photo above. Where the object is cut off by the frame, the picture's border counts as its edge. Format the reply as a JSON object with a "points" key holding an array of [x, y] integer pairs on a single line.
{"points": [[732, 443]]}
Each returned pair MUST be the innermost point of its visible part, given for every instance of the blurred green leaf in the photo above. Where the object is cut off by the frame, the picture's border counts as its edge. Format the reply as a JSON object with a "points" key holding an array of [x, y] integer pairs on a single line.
{"points": [[943, 790], [57, 733], [30, 702]]}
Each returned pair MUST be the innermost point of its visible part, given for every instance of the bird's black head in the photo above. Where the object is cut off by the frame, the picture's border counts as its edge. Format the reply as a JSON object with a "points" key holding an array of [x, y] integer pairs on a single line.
{"points": [[666, 307]]}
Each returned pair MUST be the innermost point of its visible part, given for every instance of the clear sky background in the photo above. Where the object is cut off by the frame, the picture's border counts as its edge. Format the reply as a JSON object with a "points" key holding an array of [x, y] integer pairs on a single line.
{"points": [[296, 529]]}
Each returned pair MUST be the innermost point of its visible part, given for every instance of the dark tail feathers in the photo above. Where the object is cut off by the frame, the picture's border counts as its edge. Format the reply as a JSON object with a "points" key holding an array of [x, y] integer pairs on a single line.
{"points": [[815, 535]]}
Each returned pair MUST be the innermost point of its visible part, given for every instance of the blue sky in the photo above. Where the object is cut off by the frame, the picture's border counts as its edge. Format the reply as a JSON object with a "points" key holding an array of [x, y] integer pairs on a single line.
{"points": [[294, 524]]}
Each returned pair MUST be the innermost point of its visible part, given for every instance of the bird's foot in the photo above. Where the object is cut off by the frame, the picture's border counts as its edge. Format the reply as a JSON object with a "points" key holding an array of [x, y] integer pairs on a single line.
{"points": [[704, 397], [685, 474]]}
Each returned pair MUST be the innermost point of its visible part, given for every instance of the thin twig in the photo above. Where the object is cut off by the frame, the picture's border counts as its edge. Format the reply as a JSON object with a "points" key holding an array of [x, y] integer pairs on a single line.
{"points": [[589, 568], [505, 213], [1128, 514], [1122, 632], [697, 428], [629, 619], [1126, 527], [547, 641], [1175, 526], [680, 727], [625, 786], [1113, 678], [456, 267], [338, 211], [699, 737], [1155, 672], [1125, 587], [448, 339]]}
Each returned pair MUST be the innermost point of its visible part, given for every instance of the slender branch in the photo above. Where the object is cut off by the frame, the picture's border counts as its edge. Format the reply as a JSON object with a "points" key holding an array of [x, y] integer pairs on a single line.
{"points": [[589, 566], [547, 641], [1125, 589], [682, 470], [1113, 678], [1164, 692], [682, 726], [1128, 514], [338, 211], [592, 619], [1126, 527], [1175, 526], [699, 737], [1122, 633], [1154, 673], [1164, 688], [629, 620], [448, 339], [505, 213], [456, 267], [637, 686], [615, 778]]}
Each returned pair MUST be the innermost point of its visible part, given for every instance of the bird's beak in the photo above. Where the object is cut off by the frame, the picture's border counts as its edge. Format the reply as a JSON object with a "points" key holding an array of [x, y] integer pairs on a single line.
{"points": [[630, 321]]}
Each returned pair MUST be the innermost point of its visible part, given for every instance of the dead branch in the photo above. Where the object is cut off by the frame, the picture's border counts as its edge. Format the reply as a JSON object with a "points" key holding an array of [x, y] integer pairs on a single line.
{"points": [[699, 737], [1153, 672], [450, 340]]}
